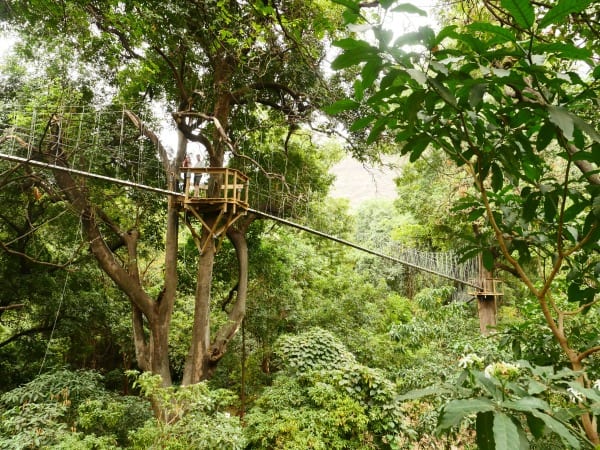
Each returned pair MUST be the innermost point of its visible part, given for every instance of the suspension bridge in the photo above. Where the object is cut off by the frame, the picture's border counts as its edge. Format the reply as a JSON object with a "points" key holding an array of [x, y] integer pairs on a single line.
{"points": [[102, 145]]}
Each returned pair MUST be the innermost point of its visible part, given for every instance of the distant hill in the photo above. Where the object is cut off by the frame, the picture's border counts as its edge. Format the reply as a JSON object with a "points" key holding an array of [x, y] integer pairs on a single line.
{"points": [[359, 182]]}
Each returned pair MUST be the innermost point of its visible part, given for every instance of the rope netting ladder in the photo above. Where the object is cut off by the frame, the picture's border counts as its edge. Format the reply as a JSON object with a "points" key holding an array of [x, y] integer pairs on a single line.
{"points": [[104, 144]]}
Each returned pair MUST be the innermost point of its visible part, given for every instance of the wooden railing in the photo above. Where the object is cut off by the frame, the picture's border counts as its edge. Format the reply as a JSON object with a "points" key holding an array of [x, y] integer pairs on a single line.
{"points": [[214, 184]]}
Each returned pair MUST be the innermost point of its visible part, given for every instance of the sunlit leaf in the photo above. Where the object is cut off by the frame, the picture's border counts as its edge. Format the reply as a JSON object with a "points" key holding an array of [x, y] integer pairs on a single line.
{"points": [[504, 34], [341, 105], [409, 8], [476, 94], [456, 410], [506, 434], [558, 428], [562, 9], [562, 119], [521, 11]]}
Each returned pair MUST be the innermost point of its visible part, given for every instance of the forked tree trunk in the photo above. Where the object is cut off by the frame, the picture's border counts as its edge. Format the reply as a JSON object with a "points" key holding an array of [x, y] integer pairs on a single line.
{"points": [[203, 356]]}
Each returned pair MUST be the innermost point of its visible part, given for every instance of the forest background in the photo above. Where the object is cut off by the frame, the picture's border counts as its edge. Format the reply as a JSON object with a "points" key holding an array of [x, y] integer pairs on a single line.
{"points": [[116, 331]]}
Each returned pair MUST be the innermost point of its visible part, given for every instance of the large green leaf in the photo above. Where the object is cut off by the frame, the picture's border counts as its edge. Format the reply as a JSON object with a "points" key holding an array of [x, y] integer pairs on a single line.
{"points": [[487, 258], [484, 426], [341, 105], [558, 428], [370, 72], [506, 434], [562, 9], [455, 411], [562, 119], [564, 50], [527, 404], [409, 8], [443, 92], [354, 56], [416, 146], [521, 10], [503, 34]]}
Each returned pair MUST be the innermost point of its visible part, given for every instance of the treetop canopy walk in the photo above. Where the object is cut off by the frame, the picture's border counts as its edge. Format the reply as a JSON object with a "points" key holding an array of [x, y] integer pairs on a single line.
{"points": [[102, 145]]}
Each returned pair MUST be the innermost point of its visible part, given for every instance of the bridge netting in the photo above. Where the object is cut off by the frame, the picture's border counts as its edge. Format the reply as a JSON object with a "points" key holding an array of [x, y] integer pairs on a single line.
{"points": [[103, 143]]}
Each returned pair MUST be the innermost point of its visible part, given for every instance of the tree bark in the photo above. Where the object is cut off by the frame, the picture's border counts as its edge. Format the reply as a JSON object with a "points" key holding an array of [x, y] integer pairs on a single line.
{"points": [[197, 359]]}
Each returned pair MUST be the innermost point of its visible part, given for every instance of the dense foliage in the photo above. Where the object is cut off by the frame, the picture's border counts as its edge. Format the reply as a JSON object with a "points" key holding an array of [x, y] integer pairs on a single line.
{"points": [[305, 343]]}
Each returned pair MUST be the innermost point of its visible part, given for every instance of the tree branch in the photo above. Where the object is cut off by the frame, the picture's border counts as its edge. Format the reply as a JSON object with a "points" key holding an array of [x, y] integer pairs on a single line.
{"points": [[34, 330]]}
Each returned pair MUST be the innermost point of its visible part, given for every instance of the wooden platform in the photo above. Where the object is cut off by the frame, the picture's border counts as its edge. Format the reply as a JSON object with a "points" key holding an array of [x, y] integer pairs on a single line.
{"points": [[220, 192]]}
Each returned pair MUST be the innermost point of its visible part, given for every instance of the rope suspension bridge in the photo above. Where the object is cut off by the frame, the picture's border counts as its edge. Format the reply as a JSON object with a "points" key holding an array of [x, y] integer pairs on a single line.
{"points": [[102, 145]]}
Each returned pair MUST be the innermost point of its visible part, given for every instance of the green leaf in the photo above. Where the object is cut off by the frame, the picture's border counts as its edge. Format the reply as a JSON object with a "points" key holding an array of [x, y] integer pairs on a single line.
{"points": [[536, 426], [420, 393], [596, 206], [521, 11], [409, 8], [475, 214], [558, 428], [545, 136], [350, 4], [449, 31], [586, 127], [453, 412], [484, 427], [370, 72], [504, 34], [443, 92], [361, 122], [488, 259], [506, 433], [377, 129], [535, 387], [564, 50], [353, 57], [575, 294], [416, 146], [497, 177], [562, 119], [562, 9], [476, 94], [350, 43], [341, 105], [527, 404]]}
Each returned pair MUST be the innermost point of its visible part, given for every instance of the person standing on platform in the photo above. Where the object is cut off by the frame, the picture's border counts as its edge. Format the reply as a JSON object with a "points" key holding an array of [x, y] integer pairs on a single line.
{"points": [[197, 176], [187, 162]]}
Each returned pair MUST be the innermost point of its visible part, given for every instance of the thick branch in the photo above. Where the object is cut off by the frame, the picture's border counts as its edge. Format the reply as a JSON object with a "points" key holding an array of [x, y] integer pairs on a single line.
{"points": [[34, 330], [9, 307], [100, 22]]}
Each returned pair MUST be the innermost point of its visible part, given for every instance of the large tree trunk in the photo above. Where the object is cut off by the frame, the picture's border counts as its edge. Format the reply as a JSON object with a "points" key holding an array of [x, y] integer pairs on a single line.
{"points": [[197, 359], [203, 355]]}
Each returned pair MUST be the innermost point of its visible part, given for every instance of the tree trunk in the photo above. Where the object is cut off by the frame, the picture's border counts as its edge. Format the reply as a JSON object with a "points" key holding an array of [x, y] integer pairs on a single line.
{"points": [[197, 359], [203, 356], [486, 299], [238, 311]]}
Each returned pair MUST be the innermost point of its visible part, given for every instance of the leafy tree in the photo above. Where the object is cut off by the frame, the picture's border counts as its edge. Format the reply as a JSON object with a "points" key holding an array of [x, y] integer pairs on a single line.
{"points": [[222, 69], [511, 102], [323, 399], [55, 407]]}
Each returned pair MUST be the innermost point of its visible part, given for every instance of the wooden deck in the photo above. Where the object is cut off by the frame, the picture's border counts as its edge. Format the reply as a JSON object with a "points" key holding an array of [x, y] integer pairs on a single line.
{"points": [[221, 192]]}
